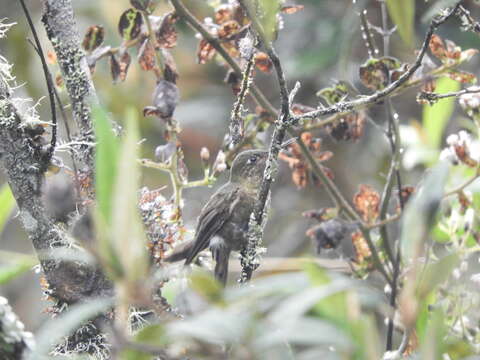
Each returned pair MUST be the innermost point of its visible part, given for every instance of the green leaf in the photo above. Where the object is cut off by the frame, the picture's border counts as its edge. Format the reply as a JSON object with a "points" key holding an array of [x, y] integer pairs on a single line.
{"points": [[267, 14], [128, 236], [106, 158], [7, 202], [153, 335], [402, 13], [436, 273], [10, 272], [435, 117], [204, 284], [421, 211], [432, 347]]}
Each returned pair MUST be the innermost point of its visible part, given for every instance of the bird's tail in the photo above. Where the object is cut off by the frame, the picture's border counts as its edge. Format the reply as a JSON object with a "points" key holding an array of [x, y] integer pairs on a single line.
{"points": [[180, 253], [221, 256]]}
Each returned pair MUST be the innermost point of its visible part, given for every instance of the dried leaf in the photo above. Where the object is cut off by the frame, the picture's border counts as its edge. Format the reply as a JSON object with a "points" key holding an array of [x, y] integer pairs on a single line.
{"points": [[428, 85], [462, 76], [374, 74], [350, 127], [223, 14], [114, 68], [300, 168], [51, 57], [453, 51], [437, 47], [406, 193], [291, 9], [170, 72], [93, 37], [130, 24], [362, 251], [205, 52], [367, 202], [300, 175], [124, 64], [166, 34], [146, 56], [463, 154], [263, 62], [59, 80], [228, 29]]}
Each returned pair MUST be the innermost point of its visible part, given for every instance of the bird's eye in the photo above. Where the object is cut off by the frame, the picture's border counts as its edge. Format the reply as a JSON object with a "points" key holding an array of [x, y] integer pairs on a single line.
{"points": [[252, 160]]}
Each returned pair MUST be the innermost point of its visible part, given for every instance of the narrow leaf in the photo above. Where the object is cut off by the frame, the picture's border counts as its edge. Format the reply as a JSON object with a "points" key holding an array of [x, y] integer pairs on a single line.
{"points": [[7, 202], [402, 13], [153, 335], [268, 18], [435, 274], [127, 230], [435, 117], [106, 157], [421, 210], [10, 272]]}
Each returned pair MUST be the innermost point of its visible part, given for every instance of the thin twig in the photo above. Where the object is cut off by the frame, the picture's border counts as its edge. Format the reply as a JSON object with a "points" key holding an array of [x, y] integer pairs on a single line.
{"points": [[363, 101], [65, 122], [367, 34], [191, 20], [48, 79], [249, 258], [473, 25], [462, 187], [432, 97], [393, 135], [236, 121]]}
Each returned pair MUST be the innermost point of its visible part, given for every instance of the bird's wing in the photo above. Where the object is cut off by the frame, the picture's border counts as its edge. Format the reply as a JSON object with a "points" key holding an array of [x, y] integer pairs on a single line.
{"points": [[213, 216]]}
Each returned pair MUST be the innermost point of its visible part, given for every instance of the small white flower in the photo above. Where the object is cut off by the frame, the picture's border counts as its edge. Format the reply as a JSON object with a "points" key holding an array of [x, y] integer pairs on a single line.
{"points": [[448, 155], [452, 139], [469, 218], [456, 273]]}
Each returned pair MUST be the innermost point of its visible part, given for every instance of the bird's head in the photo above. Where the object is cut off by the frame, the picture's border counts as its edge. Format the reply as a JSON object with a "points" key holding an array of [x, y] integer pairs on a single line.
{"points": [[248, 167]]}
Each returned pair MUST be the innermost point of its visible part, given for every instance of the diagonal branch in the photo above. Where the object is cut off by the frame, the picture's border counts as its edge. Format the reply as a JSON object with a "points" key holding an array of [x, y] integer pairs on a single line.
{"points": [[364, 101], [59, 22], [249, 257]]}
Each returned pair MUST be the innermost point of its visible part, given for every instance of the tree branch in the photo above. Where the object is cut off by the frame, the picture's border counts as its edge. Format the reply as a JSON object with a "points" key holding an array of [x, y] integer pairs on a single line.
{"points": [[21, 158], [59, 22], [364, 101]]}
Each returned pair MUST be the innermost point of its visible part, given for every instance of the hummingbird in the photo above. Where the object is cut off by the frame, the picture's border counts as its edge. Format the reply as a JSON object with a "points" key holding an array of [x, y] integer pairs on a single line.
{"points": [[222, 224]]}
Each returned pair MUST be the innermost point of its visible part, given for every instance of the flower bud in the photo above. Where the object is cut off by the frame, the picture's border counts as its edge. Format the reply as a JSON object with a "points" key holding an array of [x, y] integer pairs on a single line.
{"points": [[205, 156]]}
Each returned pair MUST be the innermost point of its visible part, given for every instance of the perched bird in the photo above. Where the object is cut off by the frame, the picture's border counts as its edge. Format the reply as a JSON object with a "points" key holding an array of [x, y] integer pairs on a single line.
{"points": [[223, 222]]}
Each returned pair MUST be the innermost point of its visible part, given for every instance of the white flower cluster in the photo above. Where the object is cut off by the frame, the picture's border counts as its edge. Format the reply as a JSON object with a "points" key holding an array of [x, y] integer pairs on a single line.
{"points": [[461, 149], [470, 102]]}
